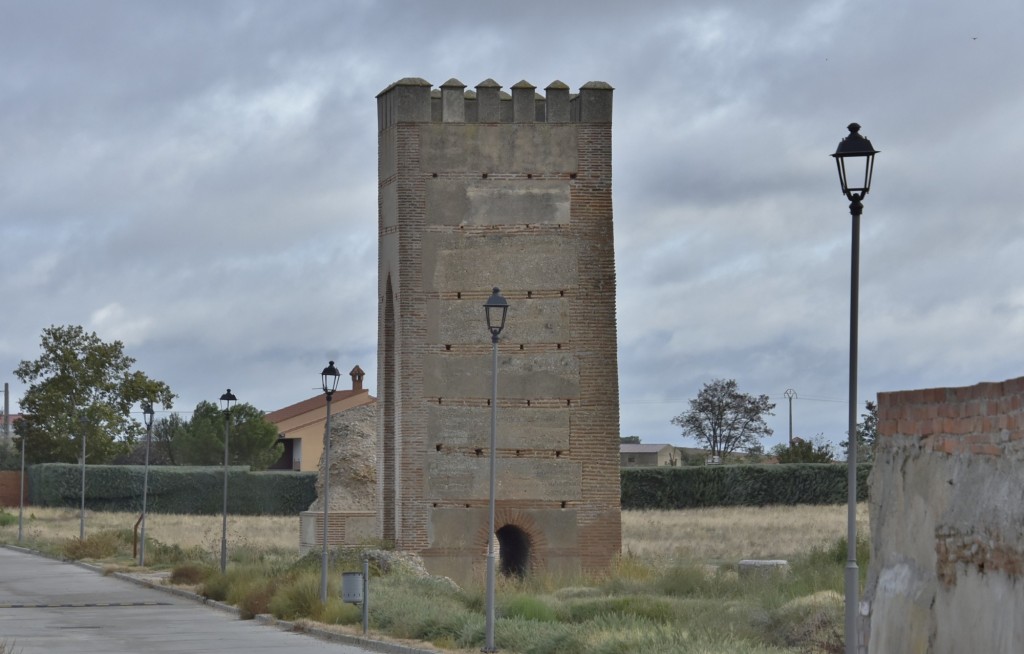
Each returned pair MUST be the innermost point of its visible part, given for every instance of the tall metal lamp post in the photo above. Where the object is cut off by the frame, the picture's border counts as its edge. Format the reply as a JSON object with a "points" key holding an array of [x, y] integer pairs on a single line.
{"points": [[147, 416], [21, 484], [855, 160], [495, 310], [82, 422], [329, 378], [227, 400]]}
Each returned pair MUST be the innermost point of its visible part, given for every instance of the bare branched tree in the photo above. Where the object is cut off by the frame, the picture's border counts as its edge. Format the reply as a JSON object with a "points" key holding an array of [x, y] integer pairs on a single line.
{"points": [[724, 420]]}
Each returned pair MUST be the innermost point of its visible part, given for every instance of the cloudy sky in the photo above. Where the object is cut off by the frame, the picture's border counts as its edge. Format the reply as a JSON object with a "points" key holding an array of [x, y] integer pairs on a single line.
{"points": [[198, 180]]}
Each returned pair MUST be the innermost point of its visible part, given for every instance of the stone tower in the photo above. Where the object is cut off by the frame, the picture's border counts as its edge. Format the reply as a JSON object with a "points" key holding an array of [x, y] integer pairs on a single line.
{"points": [[477, 190]]}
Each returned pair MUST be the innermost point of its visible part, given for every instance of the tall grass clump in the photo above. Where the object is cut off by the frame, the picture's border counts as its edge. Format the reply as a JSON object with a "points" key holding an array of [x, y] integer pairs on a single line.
{"points": [[424, 609], [656, 609], [159, 554], [529, 607], [338, 612], [7, 519], [215, 586], [298, 596], [252, 589], [617, 635], [697, 581], [533, 637], [100, 545], [190, 573]]}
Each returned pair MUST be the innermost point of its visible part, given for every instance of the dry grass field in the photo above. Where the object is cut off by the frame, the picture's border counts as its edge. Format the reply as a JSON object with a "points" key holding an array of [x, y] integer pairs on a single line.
{"points": [[676, 587], [278, 533], [718, 535], [725, 534]]}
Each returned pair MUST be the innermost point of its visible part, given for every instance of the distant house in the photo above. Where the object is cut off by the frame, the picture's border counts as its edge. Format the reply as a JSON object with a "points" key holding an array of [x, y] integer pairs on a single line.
{"points": [[639, 455], [301, 426]]}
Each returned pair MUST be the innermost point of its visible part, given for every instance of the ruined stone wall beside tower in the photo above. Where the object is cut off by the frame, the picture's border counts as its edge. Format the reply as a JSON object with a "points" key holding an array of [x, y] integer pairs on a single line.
{"points": [[947, 509], [479, 189]]}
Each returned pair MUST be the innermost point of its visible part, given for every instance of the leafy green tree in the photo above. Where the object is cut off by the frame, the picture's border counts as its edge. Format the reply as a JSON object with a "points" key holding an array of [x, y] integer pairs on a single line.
{"points": [[160, 451], [252, 440], [723, 419], [755, 454], [867, 431], [82, 385], [803, 451], [10, 455], [166, 431], [629, 440]]}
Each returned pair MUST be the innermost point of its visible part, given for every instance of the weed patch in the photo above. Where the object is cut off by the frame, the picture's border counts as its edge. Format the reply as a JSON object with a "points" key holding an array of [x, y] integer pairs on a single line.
{"points": [[101, 545], [190, 574], [298, 597], [529, 607]]}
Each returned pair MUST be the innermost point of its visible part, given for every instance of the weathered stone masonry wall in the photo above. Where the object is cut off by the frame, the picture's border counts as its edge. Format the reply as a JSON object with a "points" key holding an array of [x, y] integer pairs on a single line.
{"points": [[482, 188], [947, 521]]}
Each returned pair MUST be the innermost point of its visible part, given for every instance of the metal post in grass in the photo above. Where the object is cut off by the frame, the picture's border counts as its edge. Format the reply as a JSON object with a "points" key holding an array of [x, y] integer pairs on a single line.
{"points": [[366, 593], [856, 152], [21, 491], [495, 311], [329, 382], [147, 416], [81, 512], [227, 400]]}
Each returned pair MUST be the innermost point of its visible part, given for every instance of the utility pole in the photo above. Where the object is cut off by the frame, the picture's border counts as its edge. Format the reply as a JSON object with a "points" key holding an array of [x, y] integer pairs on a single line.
{"points": [[790, 394], [7, 411]]}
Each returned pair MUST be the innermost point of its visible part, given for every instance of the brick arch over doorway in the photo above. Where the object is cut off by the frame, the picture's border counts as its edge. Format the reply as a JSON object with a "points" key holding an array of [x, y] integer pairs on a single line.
{"points": [[523, 523]]}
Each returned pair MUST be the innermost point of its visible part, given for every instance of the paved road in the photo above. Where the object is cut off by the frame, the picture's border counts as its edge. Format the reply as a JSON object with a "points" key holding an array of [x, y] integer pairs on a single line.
{"points": [[51, 607]]}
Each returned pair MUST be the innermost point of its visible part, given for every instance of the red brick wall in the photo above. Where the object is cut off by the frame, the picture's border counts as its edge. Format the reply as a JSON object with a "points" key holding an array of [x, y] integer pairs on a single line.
{"points": [[592, 313], [593, 414], [9, 495], [985, 419]]}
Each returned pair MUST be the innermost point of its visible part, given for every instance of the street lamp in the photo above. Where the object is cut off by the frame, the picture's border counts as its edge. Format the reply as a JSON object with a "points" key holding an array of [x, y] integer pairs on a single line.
{"points": [[329, 378], [855, 156], [81, 513], [495, 311], [227, 400], [21, 485], [147, 416]]}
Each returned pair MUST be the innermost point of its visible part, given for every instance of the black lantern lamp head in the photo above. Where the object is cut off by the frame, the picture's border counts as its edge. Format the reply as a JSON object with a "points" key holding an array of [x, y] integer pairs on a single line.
{"points": [[495, 310], [855, 159], [227, 400], [147, 413], [330, 377]]}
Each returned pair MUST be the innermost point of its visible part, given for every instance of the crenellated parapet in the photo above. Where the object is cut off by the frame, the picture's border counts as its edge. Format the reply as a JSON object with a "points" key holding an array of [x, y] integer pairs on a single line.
{"points": [[414, 100]]}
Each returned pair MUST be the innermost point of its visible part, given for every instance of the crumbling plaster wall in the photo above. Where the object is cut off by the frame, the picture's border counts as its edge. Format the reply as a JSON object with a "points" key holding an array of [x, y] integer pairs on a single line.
{"points": [[947, 521]]}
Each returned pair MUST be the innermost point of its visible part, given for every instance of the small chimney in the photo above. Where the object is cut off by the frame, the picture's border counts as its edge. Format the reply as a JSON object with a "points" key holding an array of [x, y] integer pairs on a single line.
{"points": [[357, 378]]}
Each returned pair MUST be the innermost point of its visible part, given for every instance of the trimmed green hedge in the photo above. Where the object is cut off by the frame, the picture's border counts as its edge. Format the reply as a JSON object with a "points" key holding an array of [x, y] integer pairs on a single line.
{"points": [[173, 489], [199, 490], [739, 485]]}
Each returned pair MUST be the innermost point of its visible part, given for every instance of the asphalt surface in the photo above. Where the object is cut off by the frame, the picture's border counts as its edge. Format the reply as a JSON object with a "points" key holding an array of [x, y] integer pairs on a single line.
{"points": [[53, 607]]}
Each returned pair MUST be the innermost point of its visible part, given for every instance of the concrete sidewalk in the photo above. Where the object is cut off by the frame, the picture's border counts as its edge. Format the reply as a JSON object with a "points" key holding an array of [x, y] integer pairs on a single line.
{"points": [[53, 607]]}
